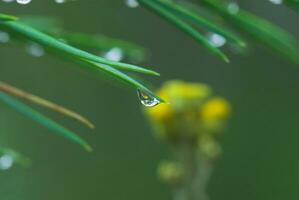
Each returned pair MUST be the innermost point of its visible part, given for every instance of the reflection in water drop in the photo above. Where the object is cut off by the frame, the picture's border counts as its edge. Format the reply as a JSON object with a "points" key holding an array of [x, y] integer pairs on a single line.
{"points": [[35, 50], [6, 162], [277, 2], [114, 54], [23, 2], [4, 37], [132, 3], [216, 40], [147, 100], [233, 8]]}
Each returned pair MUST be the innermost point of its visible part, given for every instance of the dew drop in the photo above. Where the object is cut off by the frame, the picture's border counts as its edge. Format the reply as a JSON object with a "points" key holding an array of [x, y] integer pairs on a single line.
{"points": [[216, 40], [6, 162], [132, 3], [146, 99], [8, 1], [63, 1], [4, 37], [114, 54], [35, 50], [23, 2], [233, 8], [276, 2], [60, 1], [62, 40]]}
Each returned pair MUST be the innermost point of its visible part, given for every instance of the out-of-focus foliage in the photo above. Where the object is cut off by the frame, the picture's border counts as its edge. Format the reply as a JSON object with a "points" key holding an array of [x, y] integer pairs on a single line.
{"points": [[294, 4], [256, 28]]}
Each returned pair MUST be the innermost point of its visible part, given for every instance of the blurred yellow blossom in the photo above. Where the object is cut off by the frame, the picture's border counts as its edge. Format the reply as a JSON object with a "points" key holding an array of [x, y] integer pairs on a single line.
{"points": [[177, 94], [162, 111], [187, 91], [170, 172], [179, 118], [190, 122], [209, 146], [215, 109]]}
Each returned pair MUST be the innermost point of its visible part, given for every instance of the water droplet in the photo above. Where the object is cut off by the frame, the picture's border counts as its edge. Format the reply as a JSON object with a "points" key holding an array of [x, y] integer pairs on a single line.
{"points": [[132, 3], [63, 1], [62, 40], [6, 162], [114, 54], [233, 8], [276, 2], [35, 50], [216, 40], [8, 1], [146, 99], [23, 2], [4, 37], [60, 1]]}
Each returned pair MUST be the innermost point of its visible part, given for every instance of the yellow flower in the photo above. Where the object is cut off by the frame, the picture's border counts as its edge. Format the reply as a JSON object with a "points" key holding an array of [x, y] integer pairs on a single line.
{"points": [[215, 109], [185, 91], [163, 111], [177, 94], [178, 118], [160, 112], [209, 146], [170, 172]]}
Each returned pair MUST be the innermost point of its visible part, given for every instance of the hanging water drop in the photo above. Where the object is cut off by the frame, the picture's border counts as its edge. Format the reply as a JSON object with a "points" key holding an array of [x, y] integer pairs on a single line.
{"points": [[146, 99], [216, 40], [35, 50], [233, 8], [4, 37], [6, 162], [23, 2], [276, 2], [132, 3], [114, 54]]}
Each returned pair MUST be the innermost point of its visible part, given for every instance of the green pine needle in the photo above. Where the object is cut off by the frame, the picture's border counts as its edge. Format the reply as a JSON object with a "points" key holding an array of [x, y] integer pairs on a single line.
{"points": [[4, 17], [75, 54], [259, 29], [189, 14], [172, 18], [43, 120], [96, 43], [50, 42], [120, 76], [103, 43]]}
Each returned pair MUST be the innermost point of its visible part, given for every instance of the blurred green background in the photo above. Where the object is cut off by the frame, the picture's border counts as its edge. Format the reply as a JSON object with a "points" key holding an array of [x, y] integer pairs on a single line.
{"points": [[260, 145]]}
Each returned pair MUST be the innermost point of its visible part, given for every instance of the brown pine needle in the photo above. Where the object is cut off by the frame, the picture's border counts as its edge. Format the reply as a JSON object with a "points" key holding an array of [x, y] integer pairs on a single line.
{"points": [[4, 87]]}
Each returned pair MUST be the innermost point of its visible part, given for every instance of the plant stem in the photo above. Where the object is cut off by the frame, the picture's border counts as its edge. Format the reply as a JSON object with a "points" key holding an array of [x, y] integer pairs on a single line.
{"points": [[204, 170], [197, 170]]}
